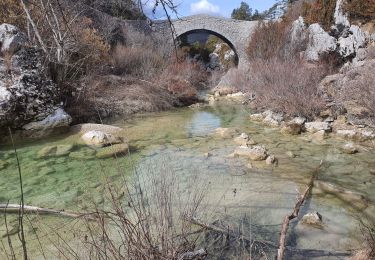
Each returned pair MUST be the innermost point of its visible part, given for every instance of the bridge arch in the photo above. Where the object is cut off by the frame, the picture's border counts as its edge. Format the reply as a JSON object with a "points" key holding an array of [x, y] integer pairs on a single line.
{"points": [[220, 36], [234, 32]]}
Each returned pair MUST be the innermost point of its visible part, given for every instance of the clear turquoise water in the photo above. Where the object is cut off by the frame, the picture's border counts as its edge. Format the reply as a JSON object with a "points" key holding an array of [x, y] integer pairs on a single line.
{"points": [[263, 194]]}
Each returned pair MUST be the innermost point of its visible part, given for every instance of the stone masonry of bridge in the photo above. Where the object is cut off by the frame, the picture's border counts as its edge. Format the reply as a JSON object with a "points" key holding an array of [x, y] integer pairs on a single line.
{"points": [[236, 32]]}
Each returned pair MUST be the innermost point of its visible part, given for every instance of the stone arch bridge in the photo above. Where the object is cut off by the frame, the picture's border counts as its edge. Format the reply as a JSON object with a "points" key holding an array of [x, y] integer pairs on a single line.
{"points": [[235, 33]]}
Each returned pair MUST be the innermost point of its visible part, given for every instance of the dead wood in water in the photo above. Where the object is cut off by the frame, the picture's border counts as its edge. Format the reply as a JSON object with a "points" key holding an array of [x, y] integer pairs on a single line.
{"points": [[294, 214], [14, 208], [296, 251]]}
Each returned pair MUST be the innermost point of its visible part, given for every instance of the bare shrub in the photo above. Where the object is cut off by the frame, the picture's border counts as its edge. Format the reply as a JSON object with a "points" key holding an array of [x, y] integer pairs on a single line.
{"points": [[360, 10], [12, 13], [320, 11], [139, 62], [368, 232], [183, 79], [277, 75], [147, 218], [286, 87], [359, 87], [272, 39], [110, 95], [370, 52]]}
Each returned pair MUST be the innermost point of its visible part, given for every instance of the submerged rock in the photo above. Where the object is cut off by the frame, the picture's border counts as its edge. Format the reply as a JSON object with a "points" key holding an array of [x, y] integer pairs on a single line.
{"points": [[99, 139], [255, 153], [242, 139], [291, 154], [270, 160], [55, 150], [3, 164], [113, 150], [319, 135], [354, 199], [312, 218], [47, 151], [225, 133], [83, 154], [349, 148]]}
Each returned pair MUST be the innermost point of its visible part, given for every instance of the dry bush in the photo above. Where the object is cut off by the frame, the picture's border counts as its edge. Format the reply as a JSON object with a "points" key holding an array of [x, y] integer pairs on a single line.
{"points": [[360, 10], [143, 56], [12, 13], [277, 76], [183, 79], [320, 11], [367, 228], [272, 39], [290, 87], [359, 87], [148, 218], [370, 52], [139, 62], [106, 96]]}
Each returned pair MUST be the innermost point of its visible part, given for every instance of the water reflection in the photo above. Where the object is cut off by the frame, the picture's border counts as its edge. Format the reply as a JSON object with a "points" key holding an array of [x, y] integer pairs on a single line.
{"points": [[203, 124]]}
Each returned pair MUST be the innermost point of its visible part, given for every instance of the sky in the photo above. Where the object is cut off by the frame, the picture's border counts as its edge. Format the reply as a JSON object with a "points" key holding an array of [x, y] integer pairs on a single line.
{"points": [[213, 7]]}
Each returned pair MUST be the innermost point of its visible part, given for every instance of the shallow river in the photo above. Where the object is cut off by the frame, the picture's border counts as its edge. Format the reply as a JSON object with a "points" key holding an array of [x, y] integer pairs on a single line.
{"points": [[235, 190]]}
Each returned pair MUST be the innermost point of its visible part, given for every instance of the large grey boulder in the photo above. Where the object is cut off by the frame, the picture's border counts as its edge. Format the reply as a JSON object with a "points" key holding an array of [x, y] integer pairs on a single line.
{"points": [[320, 42], [11, 38], [29, 100]]}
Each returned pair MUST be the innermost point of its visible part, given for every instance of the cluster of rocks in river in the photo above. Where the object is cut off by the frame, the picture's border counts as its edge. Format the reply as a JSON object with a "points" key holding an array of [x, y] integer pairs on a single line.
{"points": [[96, 141], [29, 100], [318, 130]]}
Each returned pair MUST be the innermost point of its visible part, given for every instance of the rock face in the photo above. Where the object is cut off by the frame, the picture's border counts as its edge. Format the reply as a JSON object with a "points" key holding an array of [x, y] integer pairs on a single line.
{"points": [[352, 41], [26, 93], [11, 38], [320, 42]]}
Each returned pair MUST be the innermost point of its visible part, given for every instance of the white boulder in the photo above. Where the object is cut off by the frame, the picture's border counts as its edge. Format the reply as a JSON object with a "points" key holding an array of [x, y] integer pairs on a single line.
{"points": [[313, 127], [100, 139]]}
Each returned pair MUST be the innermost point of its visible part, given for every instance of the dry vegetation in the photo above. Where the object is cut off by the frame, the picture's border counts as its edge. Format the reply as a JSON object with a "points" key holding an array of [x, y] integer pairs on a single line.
{"points": [[360, 10], [278, 77], [82, 61], [320, 11]]}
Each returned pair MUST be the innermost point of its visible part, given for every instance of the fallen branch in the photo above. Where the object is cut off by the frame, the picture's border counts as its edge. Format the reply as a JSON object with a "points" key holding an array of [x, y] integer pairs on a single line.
{"points": [[297, 251], [14, 208], [294, 214], [193, 255]]}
